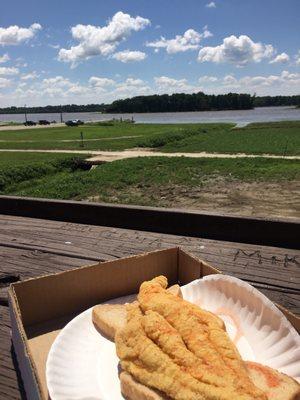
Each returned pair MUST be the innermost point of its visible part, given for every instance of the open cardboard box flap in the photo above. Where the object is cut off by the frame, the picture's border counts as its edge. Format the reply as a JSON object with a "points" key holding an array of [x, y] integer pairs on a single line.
{"points": [[41, 307]]}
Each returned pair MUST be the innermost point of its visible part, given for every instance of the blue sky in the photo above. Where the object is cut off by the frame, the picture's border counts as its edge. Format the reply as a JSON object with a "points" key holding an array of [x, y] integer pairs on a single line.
{"points": [[97, 51]]}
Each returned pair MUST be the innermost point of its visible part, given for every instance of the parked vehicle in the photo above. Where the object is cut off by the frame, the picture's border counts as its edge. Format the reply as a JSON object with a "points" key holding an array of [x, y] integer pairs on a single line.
{"points": [[44, 122], [71, 123], [74, 122], [29, 123]]}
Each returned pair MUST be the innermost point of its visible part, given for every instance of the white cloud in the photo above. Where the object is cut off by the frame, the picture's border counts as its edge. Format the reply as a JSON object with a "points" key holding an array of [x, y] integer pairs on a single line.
{"points": [[54, 46], [170, 85], [4, 82], [297, 58], [134, 82], [282, 58], [101, 82], [236, 50], [207, 79], [57, 81], [61, 87], [9, 71], [14, 34], [212, 4], [229, 80], [284, 83], [58, 89], [96, 40], [77, 89], [131, 87], [190, 40], [4, 58], [54, 90], [129, 56], [31, 75]]}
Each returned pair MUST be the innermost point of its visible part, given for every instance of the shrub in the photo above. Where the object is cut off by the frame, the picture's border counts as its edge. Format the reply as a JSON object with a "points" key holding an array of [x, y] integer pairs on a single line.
{"points": [[162, 139], [11, 175]]}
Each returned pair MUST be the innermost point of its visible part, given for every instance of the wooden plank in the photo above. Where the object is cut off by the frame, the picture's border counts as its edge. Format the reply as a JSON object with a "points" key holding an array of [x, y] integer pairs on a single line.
{"points": [[28, 264], [42, 242], [283, 233], [11, 387], [24, 264], [289, 301], [261, 264]]}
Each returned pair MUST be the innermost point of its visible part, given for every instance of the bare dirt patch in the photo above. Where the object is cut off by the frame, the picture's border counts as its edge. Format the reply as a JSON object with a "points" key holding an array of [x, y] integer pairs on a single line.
{"points": [[255, 199]]}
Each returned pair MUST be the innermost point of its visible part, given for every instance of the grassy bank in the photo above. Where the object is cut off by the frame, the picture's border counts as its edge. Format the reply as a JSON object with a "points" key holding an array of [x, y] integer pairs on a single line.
{"points": [[118, 136], [16, 168], [281, 138], [135, 181]]}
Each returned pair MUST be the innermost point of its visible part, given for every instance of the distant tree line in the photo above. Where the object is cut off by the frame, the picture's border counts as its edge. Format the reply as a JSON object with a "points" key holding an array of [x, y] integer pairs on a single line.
{"points": [[181, 102], [167, 103], [68, 108], [273, 101]]}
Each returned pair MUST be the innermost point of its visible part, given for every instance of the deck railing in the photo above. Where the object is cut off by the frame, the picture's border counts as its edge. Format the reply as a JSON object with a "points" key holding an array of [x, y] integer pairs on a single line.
{"points": [[262, 231]]}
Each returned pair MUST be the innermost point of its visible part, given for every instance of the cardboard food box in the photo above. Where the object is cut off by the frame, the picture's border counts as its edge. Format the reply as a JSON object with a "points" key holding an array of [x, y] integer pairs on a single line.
{"points": [[41, 307]]}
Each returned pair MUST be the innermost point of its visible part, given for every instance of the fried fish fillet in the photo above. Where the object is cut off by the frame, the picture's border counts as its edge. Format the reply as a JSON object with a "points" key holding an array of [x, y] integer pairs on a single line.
{"points": [[174, 346]]}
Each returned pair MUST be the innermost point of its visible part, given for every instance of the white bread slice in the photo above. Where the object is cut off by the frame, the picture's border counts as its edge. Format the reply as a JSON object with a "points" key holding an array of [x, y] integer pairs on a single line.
{"points": [[133, 390], [110, 317], [276, 385]]}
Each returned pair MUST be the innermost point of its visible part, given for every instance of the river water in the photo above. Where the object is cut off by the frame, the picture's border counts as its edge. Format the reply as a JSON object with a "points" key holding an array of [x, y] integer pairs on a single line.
{"points": [[241, 117]]}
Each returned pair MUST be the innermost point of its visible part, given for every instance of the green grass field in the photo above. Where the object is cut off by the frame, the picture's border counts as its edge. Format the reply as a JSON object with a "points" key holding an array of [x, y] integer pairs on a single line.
{"points": [[16, 168], [282, 138], [51, 138], [11, 159], [273, 138], [121, 180]]}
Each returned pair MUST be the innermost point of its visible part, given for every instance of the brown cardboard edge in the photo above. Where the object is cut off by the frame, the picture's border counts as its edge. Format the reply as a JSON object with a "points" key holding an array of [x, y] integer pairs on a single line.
{"points": [[291, 317], [205, 268], [32, 384], [15, 284], [36, 286], [24, 357]]}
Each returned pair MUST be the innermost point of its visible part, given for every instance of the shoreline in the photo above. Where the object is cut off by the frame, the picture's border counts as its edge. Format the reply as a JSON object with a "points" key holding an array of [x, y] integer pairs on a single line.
{"points": [[240, 117]]}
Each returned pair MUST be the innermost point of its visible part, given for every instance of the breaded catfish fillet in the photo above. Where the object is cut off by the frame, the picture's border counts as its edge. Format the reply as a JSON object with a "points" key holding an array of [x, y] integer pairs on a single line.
{"points": [[180, 349]]}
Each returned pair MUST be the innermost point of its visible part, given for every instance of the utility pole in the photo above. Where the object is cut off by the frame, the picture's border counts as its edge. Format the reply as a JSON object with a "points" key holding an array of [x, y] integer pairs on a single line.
{"points": [[25, 113], [81, 136], [61, 117]]}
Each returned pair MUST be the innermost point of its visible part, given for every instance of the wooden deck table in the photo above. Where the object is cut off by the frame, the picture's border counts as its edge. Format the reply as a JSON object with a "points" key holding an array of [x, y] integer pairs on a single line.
{"points": [[32, 247]]}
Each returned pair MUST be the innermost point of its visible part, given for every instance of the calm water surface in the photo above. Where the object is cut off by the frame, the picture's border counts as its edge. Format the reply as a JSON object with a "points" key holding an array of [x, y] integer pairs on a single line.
{"points": [[241, 117]]}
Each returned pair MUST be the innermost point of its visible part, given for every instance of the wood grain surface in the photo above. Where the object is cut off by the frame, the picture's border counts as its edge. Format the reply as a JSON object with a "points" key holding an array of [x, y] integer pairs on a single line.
{"points": [[31, 247]]}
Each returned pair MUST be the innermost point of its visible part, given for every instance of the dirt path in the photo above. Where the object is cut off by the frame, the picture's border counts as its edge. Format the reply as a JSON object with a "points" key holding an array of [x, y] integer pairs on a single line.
{"points": [[21, 127], [219, 195], [260, 199], [108, 156]]}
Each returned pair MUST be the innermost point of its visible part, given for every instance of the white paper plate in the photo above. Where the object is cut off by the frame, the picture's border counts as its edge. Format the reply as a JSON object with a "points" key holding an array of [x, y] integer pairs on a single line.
{"points": [[82, 364]]}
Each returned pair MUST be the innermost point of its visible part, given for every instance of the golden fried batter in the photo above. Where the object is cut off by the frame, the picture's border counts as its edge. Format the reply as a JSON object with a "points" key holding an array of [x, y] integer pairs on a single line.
{"points": [[174, 346]]}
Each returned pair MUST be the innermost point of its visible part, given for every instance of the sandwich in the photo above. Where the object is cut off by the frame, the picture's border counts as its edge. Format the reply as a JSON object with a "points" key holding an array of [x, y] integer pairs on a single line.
{"points": [[172, 349]]}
